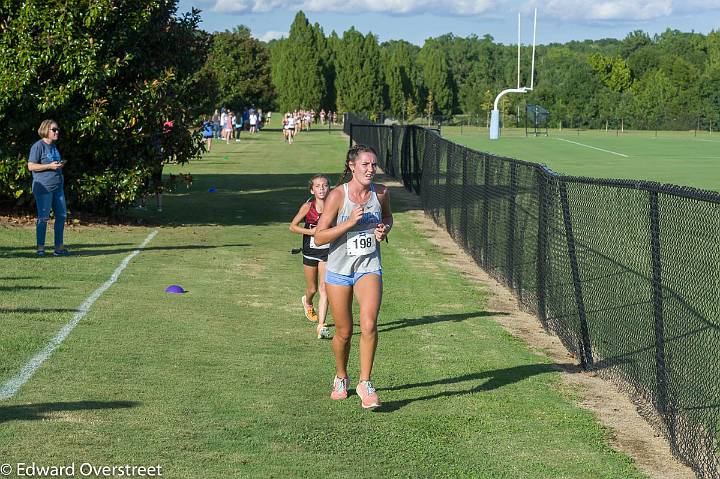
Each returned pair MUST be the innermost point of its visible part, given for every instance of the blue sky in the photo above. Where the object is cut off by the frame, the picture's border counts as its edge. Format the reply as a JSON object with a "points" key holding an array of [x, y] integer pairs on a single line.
{"points": [[416, 20]]}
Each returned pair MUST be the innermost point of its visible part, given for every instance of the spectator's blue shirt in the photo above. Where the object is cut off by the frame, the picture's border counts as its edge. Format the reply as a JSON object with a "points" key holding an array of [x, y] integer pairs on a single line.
{"points": [[44, 154], [207, 129]]}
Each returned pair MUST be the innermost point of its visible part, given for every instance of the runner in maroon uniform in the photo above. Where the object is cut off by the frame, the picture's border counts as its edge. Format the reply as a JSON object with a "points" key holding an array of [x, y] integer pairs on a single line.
{"points": [[314, 257]]}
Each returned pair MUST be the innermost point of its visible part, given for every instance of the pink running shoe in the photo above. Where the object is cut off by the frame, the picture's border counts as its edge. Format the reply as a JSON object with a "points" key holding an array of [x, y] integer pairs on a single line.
{"points": [[367, 394], [339, 389]]}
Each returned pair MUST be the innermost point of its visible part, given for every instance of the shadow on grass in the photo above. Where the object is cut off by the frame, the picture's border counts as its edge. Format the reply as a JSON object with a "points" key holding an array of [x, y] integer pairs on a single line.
{"points": [[49, 252], [41, 411], [83, 252], [36, 310], [18, 288], [16, 278], [456, 318], [78, 250], [492, 380], [240, 199]]}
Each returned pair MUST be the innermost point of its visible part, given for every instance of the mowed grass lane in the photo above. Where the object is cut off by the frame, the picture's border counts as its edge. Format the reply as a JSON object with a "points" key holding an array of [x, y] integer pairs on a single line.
{"points": [[228, 379], [672, 157]]}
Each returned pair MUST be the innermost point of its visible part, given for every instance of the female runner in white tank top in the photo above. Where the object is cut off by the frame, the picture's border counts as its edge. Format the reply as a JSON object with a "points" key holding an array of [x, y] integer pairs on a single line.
{"points": [[355, 220]]}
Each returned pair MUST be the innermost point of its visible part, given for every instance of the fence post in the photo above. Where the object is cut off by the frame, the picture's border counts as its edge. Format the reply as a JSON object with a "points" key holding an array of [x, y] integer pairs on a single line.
{"points": [[393, 130], [486, 214], [449, 187], [465, 210], [511, 227], [351, 135], [542, 238], [586, 358], [660, 371]]}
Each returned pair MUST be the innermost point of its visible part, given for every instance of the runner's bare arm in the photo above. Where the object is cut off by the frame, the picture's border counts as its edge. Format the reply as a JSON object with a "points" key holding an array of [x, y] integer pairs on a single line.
{"points": [[298, 218], [384, 228]]}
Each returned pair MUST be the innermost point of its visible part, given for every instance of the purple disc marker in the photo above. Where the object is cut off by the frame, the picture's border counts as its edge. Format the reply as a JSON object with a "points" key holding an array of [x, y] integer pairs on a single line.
{"points": [[175, 289]]}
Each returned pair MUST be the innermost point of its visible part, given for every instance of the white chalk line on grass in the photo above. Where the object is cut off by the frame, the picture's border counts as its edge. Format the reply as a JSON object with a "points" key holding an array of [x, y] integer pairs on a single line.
{"points": [[13, 385], [593, 147]]}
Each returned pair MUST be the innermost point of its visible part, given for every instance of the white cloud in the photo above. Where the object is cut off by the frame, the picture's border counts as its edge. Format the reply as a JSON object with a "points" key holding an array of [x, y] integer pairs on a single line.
{"points": [[252, 6], [452, 7], [619, 10], [574, 10], [272, 35]]}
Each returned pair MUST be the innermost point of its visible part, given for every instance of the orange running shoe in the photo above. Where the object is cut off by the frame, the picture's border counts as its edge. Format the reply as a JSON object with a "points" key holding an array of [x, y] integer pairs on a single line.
{"points": [[309, 311], [339, 389], [367, 394]]}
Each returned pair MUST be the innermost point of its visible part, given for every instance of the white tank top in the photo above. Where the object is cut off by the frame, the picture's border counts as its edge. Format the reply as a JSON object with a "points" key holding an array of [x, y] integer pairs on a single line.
{"points": [[357, 251]]}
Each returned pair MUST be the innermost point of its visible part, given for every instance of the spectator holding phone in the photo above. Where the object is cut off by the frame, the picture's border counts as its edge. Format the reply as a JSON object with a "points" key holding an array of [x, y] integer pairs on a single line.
{"points": [[48, 186]]}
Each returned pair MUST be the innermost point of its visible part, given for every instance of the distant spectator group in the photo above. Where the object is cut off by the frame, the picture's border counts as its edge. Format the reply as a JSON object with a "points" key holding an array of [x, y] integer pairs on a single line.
{"points": [[226, 124]]}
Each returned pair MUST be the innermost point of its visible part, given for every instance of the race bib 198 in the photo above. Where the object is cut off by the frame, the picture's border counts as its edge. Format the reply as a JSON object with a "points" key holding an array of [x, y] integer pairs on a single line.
{"points": [[360, 243]]}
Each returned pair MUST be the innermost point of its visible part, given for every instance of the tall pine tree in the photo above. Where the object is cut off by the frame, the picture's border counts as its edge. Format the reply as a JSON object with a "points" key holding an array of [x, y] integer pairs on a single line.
{"points": [[299, 69], [398, 60], [359, 78], [436, 76]]}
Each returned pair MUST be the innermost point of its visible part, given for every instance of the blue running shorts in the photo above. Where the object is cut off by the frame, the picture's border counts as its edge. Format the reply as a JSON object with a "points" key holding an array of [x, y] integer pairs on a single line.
{"points": [[342, 280]]}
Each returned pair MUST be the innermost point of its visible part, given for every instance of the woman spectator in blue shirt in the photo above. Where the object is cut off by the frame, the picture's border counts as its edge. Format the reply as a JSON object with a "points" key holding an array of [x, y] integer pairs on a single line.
{"points": [[48, 186]]}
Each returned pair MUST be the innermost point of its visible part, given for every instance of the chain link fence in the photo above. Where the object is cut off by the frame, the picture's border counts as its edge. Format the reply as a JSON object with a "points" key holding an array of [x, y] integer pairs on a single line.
{"points": [[626, 273]]}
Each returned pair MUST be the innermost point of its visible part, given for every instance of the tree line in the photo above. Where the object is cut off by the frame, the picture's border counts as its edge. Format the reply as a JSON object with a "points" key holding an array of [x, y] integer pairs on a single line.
{"points": [[129, 81], [667, 81]]}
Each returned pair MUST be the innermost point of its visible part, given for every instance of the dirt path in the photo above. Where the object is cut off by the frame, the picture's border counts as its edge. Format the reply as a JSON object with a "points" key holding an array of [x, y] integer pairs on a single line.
{"points": [[630, 433]]}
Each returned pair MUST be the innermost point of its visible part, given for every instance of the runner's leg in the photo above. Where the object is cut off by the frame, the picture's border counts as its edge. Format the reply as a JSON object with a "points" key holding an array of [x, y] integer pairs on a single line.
{"points": [[323, 302], [311, 275], [368, 291], [340, 299]]}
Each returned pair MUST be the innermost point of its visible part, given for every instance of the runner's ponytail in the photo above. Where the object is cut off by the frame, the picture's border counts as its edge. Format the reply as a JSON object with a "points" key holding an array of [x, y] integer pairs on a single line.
{"points": [[344, 174]]}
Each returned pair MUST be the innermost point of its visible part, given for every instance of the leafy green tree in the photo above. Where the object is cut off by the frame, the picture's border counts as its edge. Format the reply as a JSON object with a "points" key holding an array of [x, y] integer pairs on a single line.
{"points": [[430, 106], [348, 57], [634, 41], [472, 93], [398, 62], [392, 89], [410, 109], [710, 93], [653, 96], [110, 73], [359, 79], [329, 58], [644, 60], [299, 69], [436, 76], [613, 71], [240, 64], [713, 48]]}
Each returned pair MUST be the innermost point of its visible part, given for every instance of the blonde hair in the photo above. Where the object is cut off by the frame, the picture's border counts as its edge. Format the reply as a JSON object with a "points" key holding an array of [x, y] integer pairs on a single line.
{"points": [[44, 129]]}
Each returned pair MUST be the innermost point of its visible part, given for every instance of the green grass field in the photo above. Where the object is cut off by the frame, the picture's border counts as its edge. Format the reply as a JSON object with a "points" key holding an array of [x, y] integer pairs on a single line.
{"points": [[679, 158], [228, 379]]}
